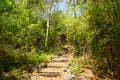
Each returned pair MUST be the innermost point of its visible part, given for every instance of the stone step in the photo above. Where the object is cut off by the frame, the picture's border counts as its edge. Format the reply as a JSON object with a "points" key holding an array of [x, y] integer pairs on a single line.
{"points": [[49, 74], [52, 66], [66, 60], [62, 58], [51, 70], [56, 65]]}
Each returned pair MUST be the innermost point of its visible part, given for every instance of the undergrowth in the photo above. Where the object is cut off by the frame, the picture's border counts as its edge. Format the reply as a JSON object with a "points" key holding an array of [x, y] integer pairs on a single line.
{"points": [[12, 62], [78, 63]]}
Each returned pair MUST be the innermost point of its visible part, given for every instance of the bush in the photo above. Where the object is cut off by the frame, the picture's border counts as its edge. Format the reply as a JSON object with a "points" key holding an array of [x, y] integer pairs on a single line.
{"points": [[7, 59], [79, 63]]}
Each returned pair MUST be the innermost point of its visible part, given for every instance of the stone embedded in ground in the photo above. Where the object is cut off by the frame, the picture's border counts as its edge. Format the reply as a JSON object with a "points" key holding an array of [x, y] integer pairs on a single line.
{"points": [[65, 68], [81, 77], [68, 76], [33, 78], [43, 65], [31, 69], [37, 66]]}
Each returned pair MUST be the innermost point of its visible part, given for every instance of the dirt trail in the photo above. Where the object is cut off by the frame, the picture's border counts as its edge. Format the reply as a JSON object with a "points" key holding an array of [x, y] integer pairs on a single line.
{"points": [[54, 69]]}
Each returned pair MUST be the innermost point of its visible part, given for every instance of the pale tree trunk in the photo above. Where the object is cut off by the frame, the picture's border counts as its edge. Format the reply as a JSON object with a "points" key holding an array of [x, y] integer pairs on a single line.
{"points": [[74, 15], [48, 25], [74, 6], [49, 4], [47, 33]]}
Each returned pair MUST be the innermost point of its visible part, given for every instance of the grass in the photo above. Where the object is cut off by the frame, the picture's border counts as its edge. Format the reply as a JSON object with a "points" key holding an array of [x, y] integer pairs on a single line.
{"points": [[78, 63]]}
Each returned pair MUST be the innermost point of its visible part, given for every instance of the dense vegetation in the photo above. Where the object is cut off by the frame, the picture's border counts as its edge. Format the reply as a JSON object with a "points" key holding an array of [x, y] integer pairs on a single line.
{"points": [[30, 29], [104, 22]]}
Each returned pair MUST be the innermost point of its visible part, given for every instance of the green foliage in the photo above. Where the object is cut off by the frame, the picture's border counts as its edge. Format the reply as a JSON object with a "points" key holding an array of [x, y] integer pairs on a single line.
{"points": [[104, 23], [99, 33], [7, 59], [77, 33], [55, 29], [79, 63], [76, 70], [34, 36], [10, 59], [14, 74], [23, 28]]}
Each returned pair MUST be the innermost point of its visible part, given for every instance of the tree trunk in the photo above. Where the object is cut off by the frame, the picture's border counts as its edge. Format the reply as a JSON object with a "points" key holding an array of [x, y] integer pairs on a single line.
{"points": [[74, 6], [48, 25]]}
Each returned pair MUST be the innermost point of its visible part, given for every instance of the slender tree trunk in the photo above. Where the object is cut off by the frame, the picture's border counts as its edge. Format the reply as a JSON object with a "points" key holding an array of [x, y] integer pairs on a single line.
{"points": [[47, 31], [74, 6], [74, 15], [48, 25], [49, 3]]}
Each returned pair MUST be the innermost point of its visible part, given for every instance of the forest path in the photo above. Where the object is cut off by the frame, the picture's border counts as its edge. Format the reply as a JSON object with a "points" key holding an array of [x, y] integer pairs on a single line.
{"points": [[55, 69]]}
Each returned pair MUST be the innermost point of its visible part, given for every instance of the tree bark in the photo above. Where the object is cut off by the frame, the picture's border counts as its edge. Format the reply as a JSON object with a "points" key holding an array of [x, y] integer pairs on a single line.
{"points": [[48, 25]]}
